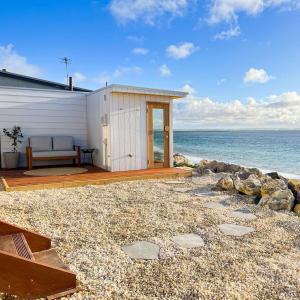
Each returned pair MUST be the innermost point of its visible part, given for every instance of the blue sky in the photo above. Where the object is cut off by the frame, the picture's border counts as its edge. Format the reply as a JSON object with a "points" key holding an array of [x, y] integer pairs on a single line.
{"points": [[239, 59]]}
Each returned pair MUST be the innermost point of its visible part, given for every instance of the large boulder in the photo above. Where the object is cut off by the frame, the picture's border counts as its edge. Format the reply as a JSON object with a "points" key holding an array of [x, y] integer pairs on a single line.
{"points": [[181, 160], [250, 186], [222, 167], [270, 186], [279, 200], [225, 184], [294, 185]]}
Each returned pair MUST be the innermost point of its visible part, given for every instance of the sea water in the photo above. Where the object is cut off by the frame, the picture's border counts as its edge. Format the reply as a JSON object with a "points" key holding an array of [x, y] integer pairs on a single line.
{"points": [[267, 150]]}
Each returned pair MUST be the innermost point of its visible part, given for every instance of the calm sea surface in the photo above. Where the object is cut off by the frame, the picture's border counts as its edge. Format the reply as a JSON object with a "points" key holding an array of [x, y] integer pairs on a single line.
{"points": [[267, 150]]}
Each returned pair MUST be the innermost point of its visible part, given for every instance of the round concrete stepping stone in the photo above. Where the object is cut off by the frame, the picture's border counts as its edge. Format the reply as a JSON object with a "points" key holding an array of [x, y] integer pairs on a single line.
{"points": [[235, 230], [216, 205], [188, 240], [244, 210], [242, 215], [142, 250]]}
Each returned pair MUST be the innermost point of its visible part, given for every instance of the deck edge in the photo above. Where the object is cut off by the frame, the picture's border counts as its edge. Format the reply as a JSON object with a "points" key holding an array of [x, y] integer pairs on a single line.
{"points": [[4, 184], [81, 183]]}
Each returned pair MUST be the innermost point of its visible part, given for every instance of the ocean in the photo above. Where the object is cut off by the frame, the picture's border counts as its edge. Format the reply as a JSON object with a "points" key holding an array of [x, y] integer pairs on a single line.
{"points": [[275, 150]]}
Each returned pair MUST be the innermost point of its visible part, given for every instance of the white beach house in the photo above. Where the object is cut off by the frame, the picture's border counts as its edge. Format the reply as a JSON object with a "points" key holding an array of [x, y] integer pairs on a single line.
{"points": [[130, 128]]}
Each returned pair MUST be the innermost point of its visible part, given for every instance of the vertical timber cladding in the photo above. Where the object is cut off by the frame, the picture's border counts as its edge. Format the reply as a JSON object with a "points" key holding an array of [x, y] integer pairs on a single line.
{"points": [[150, 134], [128, 131]]}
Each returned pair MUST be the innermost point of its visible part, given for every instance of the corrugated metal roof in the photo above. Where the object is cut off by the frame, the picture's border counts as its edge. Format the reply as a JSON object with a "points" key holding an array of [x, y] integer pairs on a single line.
{"points": [[46, 83]]}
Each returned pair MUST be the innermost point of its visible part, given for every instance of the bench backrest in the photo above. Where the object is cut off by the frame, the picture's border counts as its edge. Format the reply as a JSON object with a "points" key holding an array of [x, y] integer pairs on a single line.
{"points": [[49, 143]]}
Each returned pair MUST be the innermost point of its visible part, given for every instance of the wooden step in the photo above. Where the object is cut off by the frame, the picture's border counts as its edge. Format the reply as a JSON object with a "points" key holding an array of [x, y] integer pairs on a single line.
{"points": [[51, 258], [16, 244]]}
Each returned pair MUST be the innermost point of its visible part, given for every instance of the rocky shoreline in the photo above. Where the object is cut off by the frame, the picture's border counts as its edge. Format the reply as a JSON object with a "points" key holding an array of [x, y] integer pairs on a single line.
{"points": [[271, 189]]}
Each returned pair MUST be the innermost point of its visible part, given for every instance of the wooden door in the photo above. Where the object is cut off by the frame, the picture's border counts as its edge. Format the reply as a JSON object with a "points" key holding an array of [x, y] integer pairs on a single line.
{"points": [[158, 127]]}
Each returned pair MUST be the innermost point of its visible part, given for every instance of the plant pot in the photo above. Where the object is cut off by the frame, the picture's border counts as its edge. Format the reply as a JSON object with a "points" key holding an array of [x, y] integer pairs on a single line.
{"points": [[11, 159]]}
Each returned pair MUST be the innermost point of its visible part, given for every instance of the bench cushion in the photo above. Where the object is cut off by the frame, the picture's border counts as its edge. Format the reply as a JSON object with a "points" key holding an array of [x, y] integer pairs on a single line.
{"points": [[41, 143], [54, 153], [62, 143]]}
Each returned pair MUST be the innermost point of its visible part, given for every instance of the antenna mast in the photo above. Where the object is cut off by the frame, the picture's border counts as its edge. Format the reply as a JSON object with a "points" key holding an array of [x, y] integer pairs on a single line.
{"points": [[67, 62]]}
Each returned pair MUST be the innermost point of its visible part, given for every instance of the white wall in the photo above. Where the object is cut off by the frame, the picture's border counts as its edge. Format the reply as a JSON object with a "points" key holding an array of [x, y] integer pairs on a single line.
{"points": [[98, 127], [43, 112], [128, 118]]}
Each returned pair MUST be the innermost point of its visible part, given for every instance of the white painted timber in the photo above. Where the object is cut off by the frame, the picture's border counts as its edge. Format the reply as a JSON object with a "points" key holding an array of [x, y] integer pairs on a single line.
{"points": [[128, 117], [42, 112], [113, 120]]}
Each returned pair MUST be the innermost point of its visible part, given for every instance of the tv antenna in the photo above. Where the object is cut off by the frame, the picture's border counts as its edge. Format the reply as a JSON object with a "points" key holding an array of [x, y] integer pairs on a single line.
{"points": [[67, 62]]}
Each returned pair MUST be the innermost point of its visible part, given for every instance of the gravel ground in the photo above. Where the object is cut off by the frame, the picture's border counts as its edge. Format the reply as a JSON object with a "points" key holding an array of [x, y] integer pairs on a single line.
{"points": [[89, 226]]}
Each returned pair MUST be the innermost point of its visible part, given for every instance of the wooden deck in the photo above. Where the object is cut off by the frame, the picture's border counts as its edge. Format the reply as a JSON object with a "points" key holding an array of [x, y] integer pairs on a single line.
{"points": [[15, 180]]}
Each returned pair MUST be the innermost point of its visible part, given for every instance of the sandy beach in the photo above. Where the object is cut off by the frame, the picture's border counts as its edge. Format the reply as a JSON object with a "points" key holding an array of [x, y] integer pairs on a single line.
{"points": [[90, 225]]}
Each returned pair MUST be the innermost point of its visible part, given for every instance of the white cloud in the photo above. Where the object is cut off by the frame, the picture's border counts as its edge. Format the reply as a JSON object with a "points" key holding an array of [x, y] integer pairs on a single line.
{"points": [[16, 63], [165, 71], [146, 10], [140, 51], [79, 77], [228, 10], [276, 111], [181, 51], [257, 75], [228, 34], [188, 89], [117, 73]]}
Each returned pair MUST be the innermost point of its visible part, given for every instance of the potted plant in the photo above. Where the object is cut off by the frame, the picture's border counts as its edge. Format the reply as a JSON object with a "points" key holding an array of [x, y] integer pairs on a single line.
{"points": [[11, 159]]}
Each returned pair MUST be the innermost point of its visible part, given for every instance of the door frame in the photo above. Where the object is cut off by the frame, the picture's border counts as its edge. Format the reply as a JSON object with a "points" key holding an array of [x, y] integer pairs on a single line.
{"points": [[150, 155]]}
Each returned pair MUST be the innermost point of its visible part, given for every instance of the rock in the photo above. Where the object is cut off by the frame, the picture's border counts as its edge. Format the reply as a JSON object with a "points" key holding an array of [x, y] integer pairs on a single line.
{"points": [[279, 200], [272, 185], [180, 160], [294, 185], [235, 230], [250, 186], [225, 184], [254, 171], [297, 208], [208, 172], [221, 167], [142, 250], [273, 175], [188, 240]]}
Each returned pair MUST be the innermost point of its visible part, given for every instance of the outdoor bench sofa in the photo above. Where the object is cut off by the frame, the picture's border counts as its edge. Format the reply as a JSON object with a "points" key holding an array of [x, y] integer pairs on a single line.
{"points": [[45, 148]]}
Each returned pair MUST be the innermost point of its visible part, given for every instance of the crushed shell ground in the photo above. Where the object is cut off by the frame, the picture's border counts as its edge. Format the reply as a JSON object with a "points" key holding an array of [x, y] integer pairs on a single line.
{"points": [[89, 226]]}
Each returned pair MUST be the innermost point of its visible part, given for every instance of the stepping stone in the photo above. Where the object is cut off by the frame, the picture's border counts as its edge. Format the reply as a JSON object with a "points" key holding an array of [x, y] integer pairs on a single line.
{"points": [[235, 230], [244, 210], [242, 215], [188, 240], [181, 190], [216, 205], [142, 250]]}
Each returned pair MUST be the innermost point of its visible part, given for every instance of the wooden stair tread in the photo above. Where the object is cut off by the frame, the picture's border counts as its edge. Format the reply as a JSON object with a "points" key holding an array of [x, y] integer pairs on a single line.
{"points": [[16, 244], [51, 258]]}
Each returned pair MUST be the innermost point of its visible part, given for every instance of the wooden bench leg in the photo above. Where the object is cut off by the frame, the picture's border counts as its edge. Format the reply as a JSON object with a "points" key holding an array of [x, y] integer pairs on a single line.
{"points": [[29, 157], [78, 156]]}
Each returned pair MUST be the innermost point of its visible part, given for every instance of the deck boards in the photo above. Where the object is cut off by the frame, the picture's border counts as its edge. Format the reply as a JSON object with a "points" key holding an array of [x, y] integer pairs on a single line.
{"points": [[15, 180]]}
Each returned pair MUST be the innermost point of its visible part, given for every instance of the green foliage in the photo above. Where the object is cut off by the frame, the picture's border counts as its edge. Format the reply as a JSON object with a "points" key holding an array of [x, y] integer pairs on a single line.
{"points": [[15, 134]]}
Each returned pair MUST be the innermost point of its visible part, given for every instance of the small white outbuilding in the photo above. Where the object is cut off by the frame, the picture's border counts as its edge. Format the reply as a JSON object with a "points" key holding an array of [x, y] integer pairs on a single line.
{"points": [[130, 128]]}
